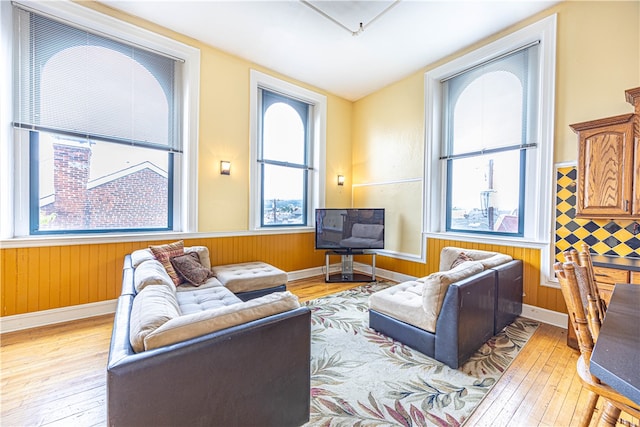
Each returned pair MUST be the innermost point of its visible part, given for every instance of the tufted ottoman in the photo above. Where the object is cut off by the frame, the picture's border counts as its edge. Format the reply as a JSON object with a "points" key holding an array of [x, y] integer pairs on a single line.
{"points": [[250, 280]]}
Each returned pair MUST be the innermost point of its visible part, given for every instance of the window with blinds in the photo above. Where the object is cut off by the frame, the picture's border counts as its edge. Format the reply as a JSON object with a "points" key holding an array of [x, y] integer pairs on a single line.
{"points": [[489, 126], [284, 159], [103, 126]]}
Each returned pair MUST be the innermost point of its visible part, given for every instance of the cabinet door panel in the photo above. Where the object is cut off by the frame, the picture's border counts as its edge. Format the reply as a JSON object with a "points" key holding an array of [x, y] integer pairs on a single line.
{"points": [[635, 277], [636, 168], [606, 169], [606, 158]]}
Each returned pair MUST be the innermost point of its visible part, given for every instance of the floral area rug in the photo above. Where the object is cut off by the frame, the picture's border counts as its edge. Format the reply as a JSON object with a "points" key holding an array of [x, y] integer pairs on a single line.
{"points": [[362, 378]]}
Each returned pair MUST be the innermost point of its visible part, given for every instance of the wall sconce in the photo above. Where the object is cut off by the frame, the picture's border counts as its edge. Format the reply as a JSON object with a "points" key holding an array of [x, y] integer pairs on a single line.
{"points": [[340, 179], [225, 167]]}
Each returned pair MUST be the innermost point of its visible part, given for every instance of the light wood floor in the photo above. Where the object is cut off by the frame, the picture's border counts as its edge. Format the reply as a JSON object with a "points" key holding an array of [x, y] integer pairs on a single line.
{"points": [[55, 375]]}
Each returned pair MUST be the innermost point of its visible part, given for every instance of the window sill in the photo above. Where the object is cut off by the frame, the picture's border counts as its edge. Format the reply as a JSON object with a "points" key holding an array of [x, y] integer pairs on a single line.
{"points": [[521, 242], [284, 230], [89, 239]]}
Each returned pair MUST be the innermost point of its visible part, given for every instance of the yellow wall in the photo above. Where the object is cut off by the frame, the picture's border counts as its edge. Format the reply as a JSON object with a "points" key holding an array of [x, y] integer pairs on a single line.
{"points": [[388, 148], [368, 142], [598, 58]]}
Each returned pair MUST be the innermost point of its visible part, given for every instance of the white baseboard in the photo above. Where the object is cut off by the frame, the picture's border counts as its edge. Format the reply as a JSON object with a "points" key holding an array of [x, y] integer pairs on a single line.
{"points": [[57, 315], [545, 316], [381, 273], [303, 274], [357, 266], [65, 314]]}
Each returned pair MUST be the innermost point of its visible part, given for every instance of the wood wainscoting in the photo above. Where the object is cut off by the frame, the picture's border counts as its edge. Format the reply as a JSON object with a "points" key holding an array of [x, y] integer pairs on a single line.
{"points": [[50, 277]]}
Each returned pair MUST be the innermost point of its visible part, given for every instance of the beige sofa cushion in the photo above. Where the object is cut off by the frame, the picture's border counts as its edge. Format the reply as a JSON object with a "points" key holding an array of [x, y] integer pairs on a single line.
{"points": [[151, 308], [402, 302], [435, 288], [150, 272], [201, 323], [495, 260], [489, 259], [140, 256]]}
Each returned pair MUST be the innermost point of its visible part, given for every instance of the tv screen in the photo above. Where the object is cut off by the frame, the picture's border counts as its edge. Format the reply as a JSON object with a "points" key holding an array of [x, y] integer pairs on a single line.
{"points": [[350, 229]]}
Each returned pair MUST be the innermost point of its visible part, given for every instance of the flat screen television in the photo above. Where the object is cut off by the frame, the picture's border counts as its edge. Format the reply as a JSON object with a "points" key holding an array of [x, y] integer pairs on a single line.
{"points": [[350, 230]]}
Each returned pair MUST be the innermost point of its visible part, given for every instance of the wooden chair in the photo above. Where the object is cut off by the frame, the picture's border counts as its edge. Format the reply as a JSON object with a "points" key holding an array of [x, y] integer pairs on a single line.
{"points": [[575, 287], [590, 293]]}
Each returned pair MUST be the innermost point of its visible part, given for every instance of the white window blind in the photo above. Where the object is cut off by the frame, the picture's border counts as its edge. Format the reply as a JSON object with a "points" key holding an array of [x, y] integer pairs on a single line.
{"points": [[73, 82], [494, 113]]}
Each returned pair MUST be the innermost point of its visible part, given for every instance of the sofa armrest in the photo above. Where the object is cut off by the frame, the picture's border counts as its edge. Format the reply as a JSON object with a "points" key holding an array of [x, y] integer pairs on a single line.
{"points": [[128, 286], [466, 318], [508, 293], [255, 373]]}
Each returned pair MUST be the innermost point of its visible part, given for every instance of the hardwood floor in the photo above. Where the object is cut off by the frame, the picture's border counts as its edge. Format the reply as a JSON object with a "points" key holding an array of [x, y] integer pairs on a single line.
{"points": [[55, 375]]}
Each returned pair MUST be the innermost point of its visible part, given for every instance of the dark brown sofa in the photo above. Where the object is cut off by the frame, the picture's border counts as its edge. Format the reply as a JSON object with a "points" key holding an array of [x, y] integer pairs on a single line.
{"points": [[253, 374]]}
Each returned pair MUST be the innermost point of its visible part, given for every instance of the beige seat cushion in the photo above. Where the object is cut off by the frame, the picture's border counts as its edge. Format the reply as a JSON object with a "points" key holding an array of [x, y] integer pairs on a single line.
{"points": [[211, 282], [402, 302], [151, 308], [201, 299], [436, 286], [203, 322], [249, 276]]}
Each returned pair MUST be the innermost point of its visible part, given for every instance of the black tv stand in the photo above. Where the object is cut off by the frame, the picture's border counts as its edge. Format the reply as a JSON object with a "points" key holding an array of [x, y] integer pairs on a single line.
{"points": [[346, 273]]}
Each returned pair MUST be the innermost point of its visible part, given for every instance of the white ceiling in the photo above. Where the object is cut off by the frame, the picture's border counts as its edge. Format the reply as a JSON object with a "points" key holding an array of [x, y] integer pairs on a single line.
{"points": [[313, 41]]}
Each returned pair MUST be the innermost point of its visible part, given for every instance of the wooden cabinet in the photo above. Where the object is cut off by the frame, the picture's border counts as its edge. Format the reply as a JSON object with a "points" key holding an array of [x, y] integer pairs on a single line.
{"points": [[609, 165], [606, 156], [633, 97]]}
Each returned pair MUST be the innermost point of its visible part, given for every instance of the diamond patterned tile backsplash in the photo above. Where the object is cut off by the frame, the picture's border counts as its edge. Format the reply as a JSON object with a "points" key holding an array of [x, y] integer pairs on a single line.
{"points": [[604, 237]]}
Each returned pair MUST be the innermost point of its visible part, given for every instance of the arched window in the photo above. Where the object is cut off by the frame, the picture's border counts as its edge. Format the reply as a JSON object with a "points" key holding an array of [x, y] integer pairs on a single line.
{"points": [[103, 140], [284, 159], [487, 132]]}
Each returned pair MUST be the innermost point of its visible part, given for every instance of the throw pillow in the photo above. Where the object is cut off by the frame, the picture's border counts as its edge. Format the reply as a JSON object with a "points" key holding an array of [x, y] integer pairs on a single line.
{"points": [[462, 257], [164, 253], [188, 266]]}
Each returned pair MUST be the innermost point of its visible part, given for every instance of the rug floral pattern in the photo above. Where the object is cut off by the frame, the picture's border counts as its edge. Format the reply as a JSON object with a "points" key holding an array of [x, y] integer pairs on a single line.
{"points": [[362, 378]]}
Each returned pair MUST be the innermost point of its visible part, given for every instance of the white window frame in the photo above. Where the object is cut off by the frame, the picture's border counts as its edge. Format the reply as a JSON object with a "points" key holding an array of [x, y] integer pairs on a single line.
{"points": [[539, 189], [14, 174], [318, 120]]}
